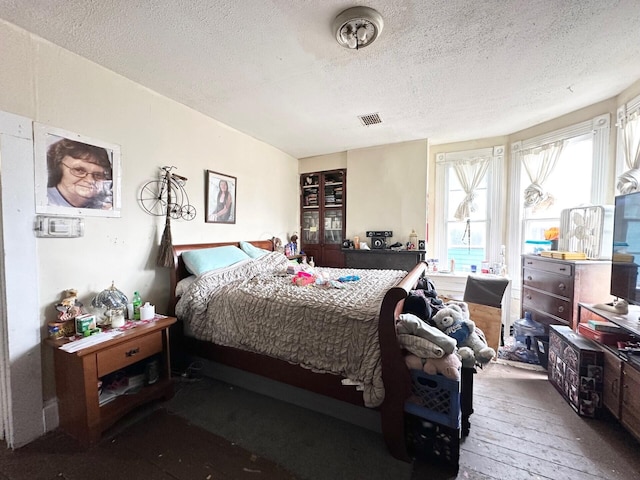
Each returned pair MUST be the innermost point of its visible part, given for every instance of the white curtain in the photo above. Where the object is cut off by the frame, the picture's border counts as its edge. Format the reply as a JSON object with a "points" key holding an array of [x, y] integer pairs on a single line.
{"points": [[539, 162], [470, 173], [629, 181]]}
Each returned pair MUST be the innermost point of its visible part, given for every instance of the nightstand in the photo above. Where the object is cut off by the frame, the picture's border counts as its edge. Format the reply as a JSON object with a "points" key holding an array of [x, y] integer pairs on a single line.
{"points": [[77, 376]]}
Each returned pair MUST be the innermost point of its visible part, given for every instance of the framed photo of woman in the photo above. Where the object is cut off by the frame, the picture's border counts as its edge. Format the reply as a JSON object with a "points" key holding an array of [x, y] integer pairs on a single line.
{"points": [[220, 198], [75, 175]]}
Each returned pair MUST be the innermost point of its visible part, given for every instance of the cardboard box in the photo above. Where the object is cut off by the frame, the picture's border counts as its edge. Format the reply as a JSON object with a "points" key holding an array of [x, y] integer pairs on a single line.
{"points": [[85, 324]]}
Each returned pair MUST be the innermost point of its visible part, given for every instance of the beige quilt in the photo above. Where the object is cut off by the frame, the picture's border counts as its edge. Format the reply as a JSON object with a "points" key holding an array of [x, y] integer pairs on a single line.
{"points": [[255, 306]]}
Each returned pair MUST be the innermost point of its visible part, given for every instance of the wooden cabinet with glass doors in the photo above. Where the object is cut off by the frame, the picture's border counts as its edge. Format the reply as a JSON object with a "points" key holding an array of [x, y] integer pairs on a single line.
{"points": [[322, 210]]}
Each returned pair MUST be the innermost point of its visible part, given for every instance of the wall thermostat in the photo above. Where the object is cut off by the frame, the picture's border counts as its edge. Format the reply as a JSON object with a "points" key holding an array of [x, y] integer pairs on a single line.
{"points": [[61, 227]]}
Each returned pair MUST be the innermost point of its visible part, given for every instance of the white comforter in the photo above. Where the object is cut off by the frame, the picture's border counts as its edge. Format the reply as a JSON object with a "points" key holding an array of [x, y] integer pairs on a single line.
{"points": [[255, 306]]}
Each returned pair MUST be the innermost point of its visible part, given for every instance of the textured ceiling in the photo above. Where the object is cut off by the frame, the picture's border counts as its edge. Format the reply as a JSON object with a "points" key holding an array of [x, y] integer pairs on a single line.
{"points": [[447, 70]]}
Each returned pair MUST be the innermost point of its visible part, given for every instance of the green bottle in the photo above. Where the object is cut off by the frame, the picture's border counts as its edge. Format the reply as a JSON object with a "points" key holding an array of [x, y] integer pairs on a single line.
{"points": [[137, 302]]}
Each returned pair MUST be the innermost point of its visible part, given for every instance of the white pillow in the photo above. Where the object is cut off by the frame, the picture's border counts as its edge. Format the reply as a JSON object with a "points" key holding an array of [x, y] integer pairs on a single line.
{"points": [[204, 260], [252, 250]]}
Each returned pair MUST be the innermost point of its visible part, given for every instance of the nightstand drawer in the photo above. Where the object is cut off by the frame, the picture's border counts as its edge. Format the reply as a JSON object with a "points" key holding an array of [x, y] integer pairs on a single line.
{"points": [[549, 282], [128, 353]]}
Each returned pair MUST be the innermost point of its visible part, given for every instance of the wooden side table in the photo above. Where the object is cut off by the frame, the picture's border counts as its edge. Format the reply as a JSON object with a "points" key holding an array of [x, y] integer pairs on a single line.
{"points": [[77, 376]]}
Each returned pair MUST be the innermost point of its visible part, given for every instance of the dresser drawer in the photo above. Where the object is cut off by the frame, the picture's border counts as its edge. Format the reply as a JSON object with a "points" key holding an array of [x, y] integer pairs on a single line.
{"points": [[549, 282], [128, 353], [559, 268], [543, 302], [630, 411], [612, 383]]}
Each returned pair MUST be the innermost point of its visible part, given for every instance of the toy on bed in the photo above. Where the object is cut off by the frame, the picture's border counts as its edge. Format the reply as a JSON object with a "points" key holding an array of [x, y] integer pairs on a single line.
{"points": [[454, 320], [277, 245], [291, 248]]}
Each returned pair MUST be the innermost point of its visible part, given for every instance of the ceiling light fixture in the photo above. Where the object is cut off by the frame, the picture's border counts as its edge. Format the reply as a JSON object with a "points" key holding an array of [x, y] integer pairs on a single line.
{"points": [[357, 27]]}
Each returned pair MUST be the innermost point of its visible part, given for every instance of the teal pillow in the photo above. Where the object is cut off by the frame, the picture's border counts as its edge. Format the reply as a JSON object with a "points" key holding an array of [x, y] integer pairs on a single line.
{"points": [[252, 250], [207, 259]]}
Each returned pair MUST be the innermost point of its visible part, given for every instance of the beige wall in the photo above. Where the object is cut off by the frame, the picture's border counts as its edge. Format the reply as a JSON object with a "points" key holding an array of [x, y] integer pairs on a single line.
{"points": [[386, 187], [53, 86]]}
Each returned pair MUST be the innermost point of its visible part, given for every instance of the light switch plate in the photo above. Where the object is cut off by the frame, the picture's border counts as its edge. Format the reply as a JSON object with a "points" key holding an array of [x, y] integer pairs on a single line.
{"points": [[59, 227]]}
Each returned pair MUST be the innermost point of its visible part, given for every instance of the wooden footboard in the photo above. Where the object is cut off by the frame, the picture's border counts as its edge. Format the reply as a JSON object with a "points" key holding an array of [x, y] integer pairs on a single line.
{"points": [[395, 374]]}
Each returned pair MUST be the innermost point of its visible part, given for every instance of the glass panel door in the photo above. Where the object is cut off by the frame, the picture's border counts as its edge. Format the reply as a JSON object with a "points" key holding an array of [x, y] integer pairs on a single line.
{"points": [[310, 227], [333, 226]]}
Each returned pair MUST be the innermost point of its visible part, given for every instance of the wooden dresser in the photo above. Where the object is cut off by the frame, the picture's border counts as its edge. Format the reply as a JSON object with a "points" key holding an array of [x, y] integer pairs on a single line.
{"points": [[552, 288], [621, 392]]}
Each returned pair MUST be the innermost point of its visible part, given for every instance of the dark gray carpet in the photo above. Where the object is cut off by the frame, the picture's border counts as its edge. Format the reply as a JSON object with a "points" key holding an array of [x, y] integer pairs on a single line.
{"points": [[311, 445]]}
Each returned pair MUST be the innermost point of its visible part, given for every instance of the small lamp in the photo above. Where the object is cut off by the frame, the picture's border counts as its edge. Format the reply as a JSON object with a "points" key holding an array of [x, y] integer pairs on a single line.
{"points": [[111, 306]]}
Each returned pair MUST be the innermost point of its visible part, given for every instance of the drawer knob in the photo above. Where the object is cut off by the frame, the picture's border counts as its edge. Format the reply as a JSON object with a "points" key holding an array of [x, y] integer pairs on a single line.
{"points": [[562, 286], [561, 309], [132, 352], [529, 278], [528, 297]]}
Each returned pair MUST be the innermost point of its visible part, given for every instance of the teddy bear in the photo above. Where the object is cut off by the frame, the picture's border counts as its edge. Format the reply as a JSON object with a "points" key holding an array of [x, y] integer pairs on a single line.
{"points": [[452, 321], [448, 365]]}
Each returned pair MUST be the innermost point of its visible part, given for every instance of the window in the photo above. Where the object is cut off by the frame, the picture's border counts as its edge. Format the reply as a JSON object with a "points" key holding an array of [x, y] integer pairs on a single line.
{"points": [[577, 178], [469, 232], [628, 161], [574, 162]]}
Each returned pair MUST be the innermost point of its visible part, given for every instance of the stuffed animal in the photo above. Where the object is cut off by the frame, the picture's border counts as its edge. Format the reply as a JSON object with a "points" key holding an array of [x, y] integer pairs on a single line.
{"points": [[451, 320], [69, 307], [449, 365], [408, 323]]}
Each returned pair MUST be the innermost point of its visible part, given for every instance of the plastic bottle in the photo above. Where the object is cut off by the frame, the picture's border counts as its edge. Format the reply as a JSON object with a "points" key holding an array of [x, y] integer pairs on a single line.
{"points": [[413, 240], [137, 302], [526, 329]]}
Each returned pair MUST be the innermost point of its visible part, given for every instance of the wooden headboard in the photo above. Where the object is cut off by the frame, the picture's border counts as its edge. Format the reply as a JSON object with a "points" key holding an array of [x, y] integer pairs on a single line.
{"points": [[179, 271]]}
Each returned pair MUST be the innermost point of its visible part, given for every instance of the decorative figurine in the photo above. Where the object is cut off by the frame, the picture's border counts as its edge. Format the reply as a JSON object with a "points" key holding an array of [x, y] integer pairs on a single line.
{"points": [[70, 307], [277, 244], [291, 248]]}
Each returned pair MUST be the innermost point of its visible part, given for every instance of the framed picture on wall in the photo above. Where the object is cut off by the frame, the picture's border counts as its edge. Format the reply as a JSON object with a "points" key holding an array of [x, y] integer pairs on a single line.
{"points": [[75, 175], [220, 198]]}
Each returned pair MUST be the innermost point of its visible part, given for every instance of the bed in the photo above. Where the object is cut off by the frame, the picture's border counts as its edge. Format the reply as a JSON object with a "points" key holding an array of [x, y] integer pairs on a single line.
{"points": [[384, 303]]}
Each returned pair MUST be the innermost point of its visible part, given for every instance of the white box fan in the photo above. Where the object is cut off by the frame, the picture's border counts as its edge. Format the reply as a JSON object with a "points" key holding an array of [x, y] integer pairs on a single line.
{"points": [[588, 230]]}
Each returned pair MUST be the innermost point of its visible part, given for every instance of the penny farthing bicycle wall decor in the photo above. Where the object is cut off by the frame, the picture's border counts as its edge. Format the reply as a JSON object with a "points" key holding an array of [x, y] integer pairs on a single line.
{"points": [[167, 196], [165, 193]]}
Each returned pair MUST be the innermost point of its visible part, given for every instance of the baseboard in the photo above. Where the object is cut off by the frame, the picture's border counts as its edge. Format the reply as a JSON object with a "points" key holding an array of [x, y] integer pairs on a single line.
{"points": [[50, 417], [361, 416]]}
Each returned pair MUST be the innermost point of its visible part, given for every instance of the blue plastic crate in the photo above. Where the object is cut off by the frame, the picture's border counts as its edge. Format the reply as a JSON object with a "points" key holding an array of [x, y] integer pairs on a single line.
{"points": [[435, 398]]}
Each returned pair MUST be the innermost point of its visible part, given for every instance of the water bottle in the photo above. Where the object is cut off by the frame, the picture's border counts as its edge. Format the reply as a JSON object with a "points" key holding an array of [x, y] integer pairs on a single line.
{"points": [[137, 302]]}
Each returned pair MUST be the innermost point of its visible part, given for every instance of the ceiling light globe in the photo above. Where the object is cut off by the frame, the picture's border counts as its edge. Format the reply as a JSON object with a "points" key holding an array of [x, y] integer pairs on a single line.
{"points": [[355, 19], [362, 34]]}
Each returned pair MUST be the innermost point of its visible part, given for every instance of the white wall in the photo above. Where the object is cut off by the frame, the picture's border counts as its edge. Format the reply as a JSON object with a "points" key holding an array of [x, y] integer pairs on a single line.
{"points": [[50, 85], [386, 187]]}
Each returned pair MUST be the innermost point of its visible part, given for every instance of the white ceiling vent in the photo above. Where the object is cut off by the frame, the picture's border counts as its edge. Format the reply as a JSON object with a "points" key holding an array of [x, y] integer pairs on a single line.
{"points": [[370, 119]]}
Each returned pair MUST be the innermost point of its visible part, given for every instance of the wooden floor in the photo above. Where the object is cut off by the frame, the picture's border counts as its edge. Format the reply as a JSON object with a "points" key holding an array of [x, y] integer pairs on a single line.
{"points": [[521, 428]]}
